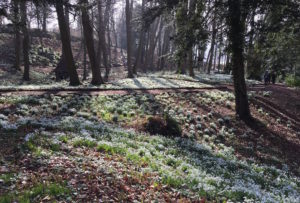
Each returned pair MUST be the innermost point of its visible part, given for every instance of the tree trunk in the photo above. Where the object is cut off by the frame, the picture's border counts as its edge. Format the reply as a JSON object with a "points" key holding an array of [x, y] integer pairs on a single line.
{"points": [[212, 48], [66, 44], [23, 8], [138, 61], [165, 46], [102, 48], [89, 41], [236, 37], [128, 31], [16, 11], [190, 62], [45, 16]]}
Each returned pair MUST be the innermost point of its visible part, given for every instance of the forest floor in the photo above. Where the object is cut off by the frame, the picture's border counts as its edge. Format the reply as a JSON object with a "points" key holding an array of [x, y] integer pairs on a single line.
{"points": [[177, 139], [160, 137]]}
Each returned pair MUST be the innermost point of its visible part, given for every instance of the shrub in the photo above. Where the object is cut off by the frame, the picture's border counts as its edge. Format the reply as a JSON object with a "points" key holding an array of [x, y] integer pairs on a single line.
{"points": [[292, 80], [164, 126]]}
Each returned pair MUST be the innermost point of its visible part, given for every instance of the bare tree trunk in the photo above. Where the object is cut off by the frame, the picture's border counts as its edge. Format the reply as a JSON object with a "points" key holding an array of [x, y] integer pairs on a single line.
{"points": [[45, 16], [165, 47], [215, 57], [115, 38], [25, 40], [66, 44], [102, 41], [108, 13], [190, 62], [220, 49], [128, 31], [16, 11], [138, 61], [212, 48], [236, 37], [89, 41]]}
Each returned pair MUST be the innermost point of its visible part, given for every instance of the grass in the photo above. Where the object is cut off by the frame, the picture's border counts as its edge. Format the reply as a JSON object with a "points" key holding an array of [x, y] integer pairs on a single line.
{"points": [[64, 139], [53, 190], [111, 149], [84, 143], [6, 178]]}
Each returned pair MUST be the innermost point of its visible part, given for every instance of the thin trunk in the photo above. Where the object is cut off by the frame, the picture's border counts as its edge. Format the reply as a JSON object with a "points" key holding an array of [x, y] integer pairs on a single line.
{"points": [[138, 61], [45, 16], [220, 49], [215, 57], [128, 31], [16, 11], [115, 38], [102, 41], [23, 8], [165, 47], [236, 37], [89, 41], [212, 48], [190, 62], [250, 46], [84, 52], [66, 44]]}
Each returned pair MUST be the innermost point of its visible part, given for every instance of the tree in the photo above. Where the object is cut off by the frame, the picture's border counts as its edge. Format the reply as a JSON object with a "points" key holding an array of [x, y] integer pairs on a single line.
{"points": [[66, 44], [128, 32], [89, 41], [102, 48], [16, 21], [213, 40], [236, 38], [23, 8], [138, 61]]}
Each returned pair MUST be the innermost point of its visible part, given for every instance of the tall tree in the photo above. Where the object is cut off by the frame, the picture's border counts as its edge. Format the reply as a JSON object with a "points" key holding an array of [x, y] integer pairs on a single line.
{"points": [[213, 40], [236, 37], [102, 47], [89, 41], [138, 61], [23, 8], [66, 44], [128, 32], [16, 21]]}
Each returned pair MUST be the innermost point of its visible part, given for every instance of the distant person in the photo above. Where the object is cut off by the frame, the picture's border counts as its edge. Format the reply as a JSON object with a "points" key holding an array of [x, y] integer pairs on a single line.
{"points": [[273, 77], [267, 77]]}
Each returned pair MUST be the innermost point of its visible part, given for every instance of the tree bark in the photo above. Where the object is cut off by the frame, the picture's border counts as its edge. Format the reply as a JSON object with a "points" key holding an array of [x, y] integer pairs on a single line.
{"points": [[16, 11], [236, 37], [23, 8], [45, 16], [66, 44], [89, 41], [102, 47], [138, 61], [128, 31], [212, 48]]}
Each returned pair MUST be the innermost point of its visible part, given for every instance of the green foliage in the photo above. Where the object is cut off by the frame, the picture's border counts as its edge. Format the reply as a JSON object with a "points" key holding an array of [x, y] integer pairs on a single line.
{"points": [[292, 80], [172, 181], [6, 178], [84, 143], [38, 191], [111, 149], [63, 139]]}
